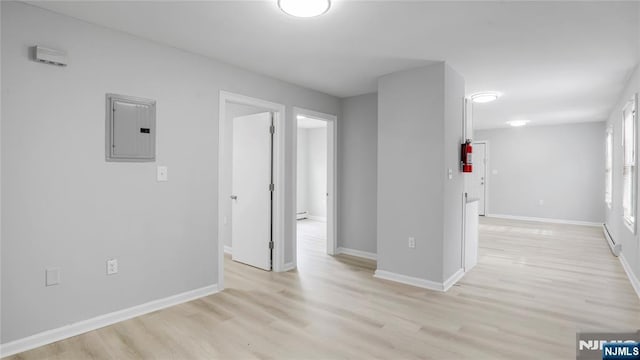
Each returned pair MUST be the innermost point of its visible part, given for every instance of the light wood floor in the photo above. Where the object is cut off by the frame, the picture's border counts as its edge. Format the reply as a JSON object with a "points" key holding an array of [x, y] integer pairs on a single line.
{"points": [[535, 285]]}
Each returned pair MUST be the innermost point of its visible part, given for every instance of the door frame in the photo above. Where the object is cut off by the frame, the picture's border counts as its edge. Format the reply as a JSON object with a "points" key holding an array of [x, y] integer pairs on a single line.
{"points": [[332, 178], [486, 175], [279, 116]]}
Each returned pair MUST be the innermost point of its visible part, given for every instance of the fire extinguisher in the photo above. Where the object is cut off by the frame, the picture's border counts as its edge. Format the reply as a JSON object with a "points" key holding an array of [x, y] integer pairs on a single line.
{"points": [[467, 150]]}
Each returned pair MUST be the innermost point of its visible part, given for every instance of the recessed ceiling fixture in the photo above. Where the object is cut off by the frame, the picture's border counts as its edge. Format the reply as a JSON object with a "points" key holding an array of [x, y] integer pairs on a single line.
{"points": [[516, 123], [304, 8], [485, 96]]}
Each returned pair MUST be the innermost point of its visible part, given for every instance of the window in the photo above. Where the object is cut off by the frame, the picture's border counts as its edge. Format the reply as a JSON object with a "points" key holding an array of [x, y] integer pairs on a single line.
{"points": [[608, 196], [629, 169]]}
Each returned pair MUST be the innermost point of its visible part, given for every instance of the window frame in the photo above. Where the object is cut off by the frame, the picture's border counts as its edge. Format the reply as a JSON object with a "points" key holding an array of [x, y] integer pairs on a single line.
{"points": [[632, 165], [608, 191]]}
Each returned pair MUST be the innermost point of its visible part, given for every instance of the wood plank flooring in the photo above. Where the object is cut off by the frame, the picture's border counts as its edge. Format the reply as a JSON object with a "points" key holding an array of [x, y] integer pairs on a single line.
{"points": [[534, 286]]}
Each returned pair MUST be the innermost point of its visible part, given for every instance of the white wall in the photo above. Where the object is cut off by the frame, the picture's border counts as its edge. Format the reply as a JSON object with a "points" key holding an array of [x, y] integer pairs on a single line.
{"points": [[302, 181], [453, 206], [312, 172], [317, 172], [561, 165], [613, 217], [357, 168], [64, 206], [419, 132]]}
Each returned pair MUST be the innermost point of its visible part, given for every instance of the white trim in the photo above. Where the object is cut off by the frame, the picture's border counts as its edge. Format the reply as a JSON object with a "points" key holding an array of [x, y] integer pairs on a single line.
{"points": [[67, 331], [332, 178], [453, 279], [418, 282], [357, 253], [408, 280], [278, 173], [615, 248], [317, 218], [632, 277], [288, 266], [228, 249], [547, 220]]}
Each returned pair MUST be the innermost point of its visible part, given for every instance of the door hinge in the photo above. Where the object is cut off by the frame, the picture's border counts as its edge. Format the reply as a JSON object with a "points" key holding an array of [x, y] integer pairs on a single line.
{"points": [[272, 187], [271, 245], [272, 129]]}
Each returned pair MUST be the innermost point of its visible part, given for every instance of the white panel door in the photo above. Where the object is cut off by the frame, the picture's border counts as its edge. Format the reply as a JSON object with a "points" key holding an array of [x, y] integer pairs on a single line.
{"points": [[479, 178], [251, 197]]}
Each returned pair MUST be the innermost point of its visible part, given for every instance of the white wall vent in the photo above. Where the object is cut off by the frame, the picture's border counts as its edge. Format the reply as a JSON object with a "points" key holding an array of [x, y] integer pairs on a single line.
{"points": [[51, 56]]}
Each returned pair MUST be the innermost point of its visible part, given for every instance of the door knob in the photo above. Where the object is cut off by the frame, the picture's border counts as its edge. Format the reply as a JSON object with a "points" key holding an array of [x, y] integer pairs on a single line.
{"points": [[233, 197]]}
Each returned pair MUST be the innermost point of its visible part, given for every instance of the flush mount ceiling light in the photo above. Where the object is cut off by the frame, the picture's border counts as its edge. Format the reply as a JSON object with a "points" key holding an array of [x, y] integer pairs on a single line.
{"points": [[304, 8], [485, 96], [516, 123]]}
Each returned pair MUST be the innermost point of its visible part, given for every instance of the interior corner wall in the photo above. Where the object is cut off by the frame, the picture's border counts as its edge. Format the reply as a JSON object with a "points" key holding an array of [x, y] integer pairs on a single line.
{"points": [[317, 172], [302, 173], [614, 215], [64, 206], [453, 204], [357, 173], [561, 166], [411, 172], [312, 172]]}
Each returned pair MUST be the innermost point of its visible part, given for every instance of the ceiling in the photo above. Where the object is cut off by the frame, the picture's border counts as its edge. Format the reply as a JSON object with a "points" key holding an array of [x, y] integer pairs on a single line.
{"points": [[555, 62]]}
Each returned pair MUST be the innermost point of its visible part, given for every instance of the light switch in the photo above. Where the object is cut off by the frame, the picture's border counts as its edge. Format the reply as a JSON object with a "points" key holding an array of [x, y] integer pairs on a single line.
{"points": [[52, 276], [162, 173], [450, 174]]}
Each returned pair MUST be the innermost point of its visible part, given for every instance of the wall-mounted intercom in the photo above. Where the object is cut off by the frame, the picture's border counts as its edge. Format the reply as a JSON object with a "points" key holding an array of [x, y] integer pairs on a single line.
{"points": [[130, 129]]}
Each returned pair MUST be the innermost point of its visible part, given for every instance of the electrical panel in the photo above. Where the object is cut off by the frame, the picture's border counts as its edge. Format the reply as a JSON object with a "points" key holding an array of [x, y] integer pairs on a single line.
{"points": [[130, 129]]}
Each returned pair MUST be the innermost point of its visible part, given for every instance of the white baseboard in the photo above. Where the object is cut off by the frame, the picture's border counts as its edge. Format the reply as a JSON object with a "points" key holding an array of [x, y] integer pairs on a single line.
{"points": [[317, 218], [67, 331], [615, 248], [630, 274], [453, 279], [408, 280], [228, 249], [547, 220], [358, 253], [288, 266]]}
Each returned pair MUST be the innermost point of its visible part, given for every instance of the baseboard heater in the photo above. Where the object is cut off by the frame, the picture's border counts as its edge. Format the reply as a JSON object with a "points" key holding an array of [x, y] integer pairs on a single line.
{"points": [[615, 248], [302, 215]]}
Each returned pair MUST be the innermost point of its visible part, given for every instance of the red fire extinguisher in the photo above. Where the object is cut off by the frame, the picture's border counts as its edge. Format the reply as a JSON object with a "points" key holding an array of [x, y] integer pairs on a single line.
{"points": [[467, 150]]}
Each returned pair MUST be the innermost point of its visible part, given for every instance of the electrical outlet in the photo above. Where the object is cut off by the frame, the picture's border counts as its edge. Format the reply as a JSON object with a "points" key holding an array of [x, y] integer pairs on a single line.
{"points": [[162, 173], [52, 276], [412, 243], [112, 266]]}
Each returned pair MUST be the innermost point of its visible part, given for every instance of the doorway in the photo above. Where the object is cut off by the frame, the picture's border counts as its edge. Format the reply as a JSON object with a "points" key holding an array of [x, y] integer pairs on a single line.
{"points": [[479, 179], [251, 177], [315, 196]]}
